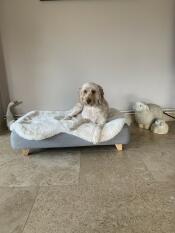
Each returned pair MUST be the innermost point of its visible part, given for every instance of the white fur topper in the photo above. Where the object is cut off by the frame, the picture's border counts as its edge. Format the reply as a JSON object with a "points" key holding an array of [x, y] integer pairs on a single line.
{"points": [[39, 125]]}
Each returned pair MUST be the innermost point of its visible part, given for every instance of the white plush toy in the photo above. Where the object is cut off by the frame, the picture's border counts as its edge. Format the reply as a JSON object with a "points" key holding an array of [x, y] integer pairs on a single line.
{"points": [[160, 127], [146, 114], [10, 119]]}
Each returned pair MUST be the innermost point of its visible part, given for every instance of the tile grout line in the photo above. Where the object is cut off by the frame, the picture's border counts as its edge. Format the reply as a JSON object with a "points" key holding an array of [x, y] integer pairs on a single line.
{"points": [[37, 192]]}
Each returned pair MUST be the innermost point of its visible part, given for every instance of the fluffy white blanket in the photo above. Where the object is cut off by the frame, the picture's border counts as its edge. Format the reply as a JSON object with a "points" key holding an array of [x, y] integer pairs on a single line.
{"points": [[39, 125]]}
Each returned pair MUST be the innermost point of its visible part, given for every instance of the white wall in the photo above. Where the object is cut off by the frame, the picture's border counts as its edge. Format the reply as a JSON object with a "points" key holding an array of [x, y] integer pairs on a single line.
{"points": [[51, 48]]}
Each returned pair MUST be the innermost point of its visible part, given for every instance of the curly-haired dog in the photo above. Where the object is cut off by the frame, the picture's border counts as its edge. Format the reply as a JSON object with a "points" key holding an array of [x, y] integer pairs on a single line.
{"points": [[92, 108]]}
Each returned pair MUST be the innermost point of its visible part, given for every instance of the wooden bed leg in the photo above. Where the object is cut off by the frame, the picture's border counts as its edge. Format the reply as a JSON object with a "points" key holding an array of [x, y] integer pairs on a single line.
{"points": [[25, 152], [119, 147]]}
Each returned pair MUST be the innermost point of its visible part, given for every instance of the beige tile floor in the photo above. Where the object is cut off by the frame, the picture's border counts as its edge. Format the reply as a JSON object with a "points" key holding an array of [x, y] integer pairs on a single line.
{"points": [[90, 190]]}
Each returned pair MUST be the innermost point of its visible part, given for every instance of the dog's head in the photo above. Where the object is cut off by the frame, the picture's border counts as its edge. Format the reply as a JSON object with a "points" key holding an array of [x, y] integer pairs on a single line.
{"points": [[91, 94], [140, 107]]}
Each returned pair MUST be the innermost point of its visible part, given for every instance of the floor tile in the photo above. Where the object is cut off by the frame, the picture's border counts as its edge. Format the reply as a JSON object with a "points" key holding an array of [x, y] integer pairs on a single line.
{"points": [[6, 152], [99, 209], [161, 164], [15, 206], [46, 168], [77, 209], [125, 170], [159, 210]]}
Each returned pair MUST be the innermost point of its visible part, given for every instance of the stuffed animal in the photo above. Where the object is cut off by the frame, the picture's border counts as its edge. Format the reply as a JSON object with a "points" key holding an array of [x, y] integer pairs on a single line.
{"points": [[10, 118], [146, 114], [159, 127]]}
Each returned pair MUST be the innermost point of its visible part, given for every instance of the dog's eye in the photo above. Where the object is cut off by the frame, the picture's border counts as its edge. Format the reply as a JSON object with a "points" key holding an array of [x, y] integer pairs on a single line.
{"points": [[85, 91], [93, 92]]}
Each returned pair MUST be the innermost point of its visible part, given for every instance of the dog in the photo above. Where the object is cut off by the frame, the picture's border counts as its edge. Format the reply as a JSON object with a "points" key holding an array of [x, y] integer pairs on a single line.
{"points": [[92, 107]]}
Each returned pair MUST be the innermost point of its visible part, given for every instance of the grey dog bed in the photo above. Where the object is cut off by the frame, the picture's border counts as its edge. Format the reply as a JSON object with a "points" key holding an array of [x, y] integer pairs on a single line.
{"points": [[65, 140]]}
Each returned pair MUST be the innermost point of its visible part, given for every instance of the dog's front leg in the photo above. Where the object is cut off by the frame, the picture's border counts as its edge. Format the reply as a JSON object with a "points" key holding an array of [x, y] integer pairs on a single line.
{"points": [[79, 120], [97, 133], [74, 112]]}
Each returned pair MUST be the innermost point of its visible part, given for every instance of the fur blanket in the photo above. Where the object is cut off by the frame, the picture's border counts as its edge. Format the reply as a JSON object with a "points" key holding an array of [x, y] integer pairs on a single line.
{"points": [[39, 125]]}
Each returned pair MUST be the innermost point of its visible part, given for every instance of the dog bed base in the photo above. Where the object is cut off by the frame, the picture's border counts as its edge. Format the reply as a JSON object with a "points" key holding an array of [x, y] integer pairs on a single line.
{"points": [[65, 140]]}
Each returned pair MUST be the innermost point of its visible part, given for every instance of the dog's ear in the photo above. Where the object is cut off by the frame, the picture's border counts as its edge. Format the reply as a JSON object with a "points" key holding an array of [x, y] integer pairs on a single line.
{"points": [[101, 91], [101, 97]]}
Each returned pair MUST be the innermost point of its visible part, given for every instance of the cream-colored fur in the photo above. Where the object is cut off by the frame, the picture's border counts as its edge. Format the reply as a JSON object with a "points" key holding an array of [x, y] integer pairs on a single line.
{"points": [[92, 108], [146, 114], [159, 127]]}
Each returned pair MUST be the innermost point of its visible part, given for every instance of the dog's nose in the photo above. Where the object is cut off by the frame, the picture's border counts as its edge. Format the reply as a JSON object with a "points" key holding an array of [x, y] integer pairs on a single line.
{"points": [[88, 101]]}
